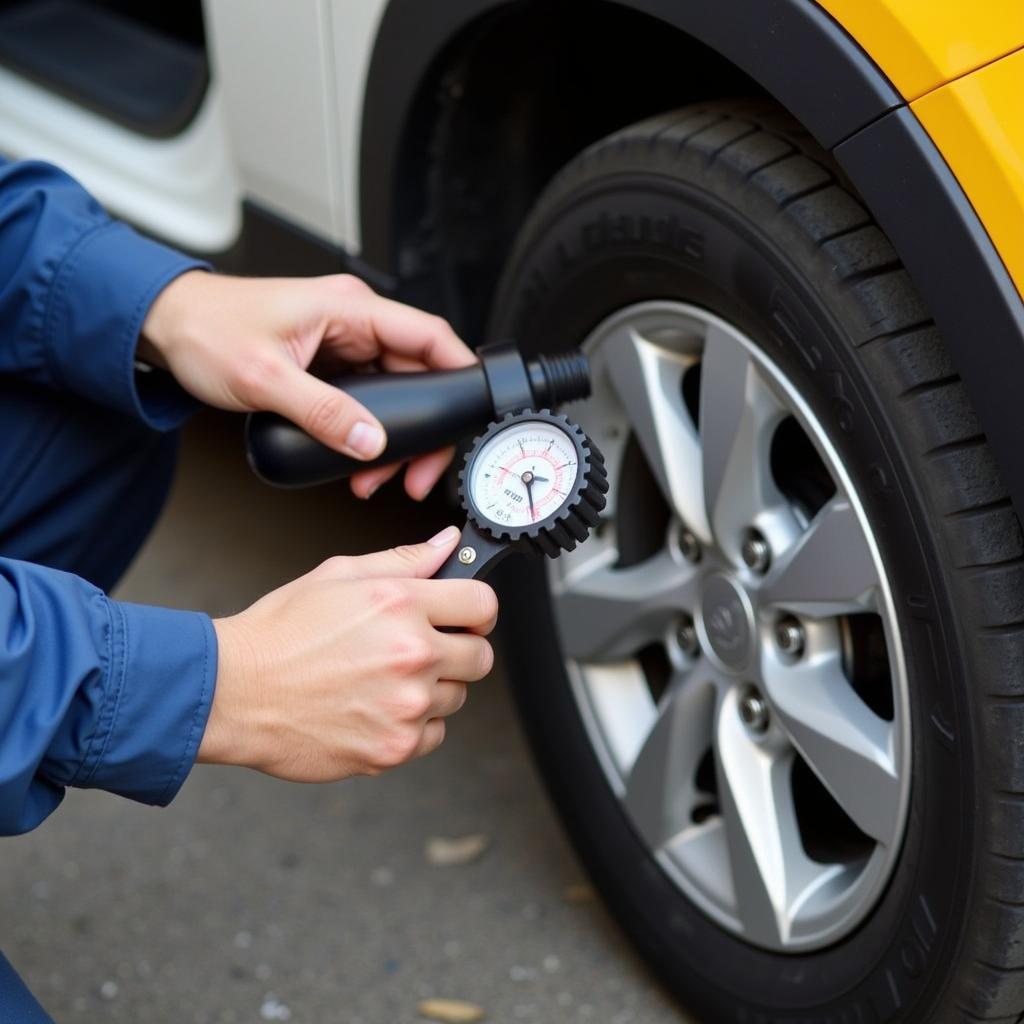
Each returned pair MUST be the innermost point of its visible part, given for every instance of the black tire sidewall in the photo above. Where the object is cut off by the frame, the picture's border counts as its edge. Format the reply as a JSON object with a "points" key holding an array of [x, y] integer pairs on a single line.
{"points": [[629, 237]]}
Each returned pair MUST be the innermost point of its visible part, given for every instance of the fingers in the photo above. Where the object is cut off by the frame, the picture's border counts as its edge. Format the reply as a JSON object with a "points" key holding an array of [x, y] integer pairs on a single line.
{"points": [[465, 657], [420, 477], [394, 363], [414, 334], [464, 604], [431, 739], [328, 414], [364, 322], [449, 697], [425, 471], [367, 482], [408, 561]]}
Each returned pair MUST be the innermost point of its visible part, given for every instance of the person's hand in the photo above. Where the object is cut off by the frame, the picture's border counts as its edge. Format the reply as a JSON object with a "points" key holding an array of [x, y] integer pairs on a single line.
{"points": [[343, 671], [246, 344]]}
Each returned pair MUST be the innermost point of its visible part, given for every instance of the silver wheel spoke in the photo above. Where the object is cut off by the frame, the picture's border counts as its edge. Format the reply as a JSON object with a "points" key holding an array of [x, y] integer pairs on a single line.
{"points": [[770, 871], [737, 413], [648, 378], [705, 848], [845, 743], [603, 419], [660, 792], [604, 613], [830, 570]]}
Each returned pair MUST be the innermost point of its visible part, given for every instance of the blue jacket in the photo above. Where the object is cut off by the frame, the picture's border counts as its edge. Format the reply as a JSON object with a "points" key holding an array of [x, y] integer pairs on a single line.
{"points": [[93, 692]]}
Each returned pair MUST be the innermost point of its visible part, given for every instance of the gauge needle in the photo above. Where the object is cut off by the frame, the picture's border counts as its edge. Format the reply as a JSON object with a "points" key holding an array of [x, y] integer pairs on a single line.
{"points": [[528, 479]]}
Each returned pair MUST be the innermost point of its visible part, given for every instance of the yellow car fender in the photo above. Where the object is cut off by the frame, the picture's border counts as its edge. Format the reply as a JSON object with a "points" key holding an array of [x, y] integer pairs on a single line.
{"points": [[977, 122], [922, 44], [961, 68]]}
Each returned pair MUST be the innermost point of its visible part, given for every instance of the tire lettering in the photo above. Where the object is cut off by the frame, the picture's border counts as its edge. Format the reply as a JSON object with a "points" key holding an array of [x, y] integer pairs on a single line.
{"points": [[913, 958], [924, 924], [878, 478], [944, 727], [844, 407], [897, 1001], [786, 323], [665, 231]]}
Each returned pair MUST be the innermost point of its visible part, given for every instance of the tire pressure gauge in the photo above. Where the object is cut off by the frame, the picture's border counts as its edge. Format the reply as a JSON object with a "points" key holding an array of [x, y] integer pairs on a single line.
{"points": [[531, 481]]}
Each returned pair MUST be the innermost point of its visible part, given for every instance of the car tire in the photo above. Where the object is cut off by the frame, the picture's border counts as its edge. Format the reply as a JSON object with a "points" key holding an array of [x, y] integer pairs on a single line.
{"points": [[730, 210]]}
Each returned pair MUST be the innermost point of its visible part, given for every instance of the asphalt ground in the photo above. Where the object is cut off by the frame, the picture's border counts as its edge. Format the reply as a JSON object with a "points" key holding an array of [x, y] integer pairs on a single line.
{"points": [[250, 899]]}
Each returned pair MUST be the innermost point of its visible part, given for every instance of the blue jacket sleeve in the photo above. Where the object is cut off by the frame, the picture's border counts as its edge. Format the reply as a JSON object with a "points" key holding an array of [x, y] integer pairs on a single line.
{"points": [[94, 693], [75, 287]]}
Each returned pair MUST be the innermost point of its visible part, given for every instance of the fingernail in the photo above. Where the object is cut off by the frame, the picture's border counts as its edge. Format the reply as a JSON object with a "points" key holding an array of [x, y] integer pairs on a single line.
{"points": [[445, 537], [366, 439]]}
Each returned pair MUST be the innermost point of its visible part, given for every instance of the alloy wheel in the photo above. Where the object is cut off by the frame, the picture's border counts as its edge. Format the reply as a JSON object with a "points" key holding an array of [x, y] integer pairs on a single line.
{"points": [[730, 634]]}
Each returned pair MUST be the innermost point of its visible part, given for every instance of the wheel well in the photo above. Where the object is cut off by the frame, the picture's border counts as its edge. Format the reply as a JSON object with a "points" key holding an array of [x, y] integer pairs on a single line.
{"points": [[509, 101]]}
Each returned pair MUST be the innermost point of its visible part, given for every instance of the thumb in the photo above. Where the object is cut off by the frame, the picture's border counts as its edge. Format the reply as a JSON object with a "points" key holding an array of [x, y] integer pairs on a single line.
{"points": [[328, 414], [407, 561]]}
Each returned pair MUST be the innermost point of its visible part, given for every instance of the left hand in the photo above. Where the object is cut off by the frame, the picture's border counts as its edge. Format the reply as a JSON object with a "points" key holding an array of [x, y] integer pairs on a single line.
{"points": [[246, 344]]}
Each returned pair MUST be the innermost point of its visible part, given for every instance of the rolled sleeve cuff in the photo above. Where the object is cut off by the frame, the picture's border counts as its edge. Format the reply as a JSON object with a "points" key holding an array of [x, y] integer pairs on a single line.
{"points": [[100, 296], [162, 674]]}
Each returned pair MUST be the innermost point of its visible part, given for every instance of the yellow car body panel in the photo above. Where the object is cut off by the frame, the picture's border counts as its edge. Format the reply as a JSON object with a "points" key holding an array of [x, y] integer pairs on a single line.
{"points": [[961, 67], [922, 44], [977, 123]]}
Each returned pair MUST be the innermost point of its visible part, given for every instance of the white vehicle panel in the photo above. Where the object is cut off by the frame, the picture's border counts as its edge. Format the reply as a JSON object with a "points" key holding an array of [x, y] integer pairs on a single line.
{"points": [[280, 124], [275, 63], [354, 26], [184, 189]]}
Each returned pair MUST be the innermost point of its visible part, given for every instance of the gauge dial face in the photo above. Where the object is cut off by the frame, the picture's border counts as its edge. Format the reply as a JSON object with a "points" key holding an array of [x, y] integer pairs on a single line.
{"points": [[524, 474]]}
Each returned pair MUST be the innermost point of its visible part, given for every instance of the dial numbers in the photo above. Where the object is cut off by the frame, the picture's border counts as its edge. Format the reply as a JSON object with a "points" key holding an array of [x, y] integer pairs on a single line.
{"points": [[524, 474]]}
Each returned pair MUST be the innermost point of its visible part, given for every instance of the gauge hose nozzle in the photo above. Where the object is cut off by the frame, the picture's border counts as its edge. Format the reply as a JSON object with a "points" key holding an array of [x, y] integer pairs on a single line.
{"points": [[420, 412], [558, 379]]}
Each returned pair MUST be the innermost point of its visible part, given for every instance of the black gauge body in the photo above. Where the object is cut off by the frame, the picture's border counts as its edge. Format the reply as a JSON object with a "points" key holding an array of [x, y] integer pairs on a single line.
{"points": [[532, 481]]}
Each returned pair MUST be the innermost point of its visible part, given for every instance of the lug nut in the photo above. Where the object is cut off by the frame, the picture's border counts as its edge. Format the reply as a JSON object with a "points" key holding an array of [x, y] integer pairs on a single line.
{"points": [[789, 635], [686, 636], [754, 550], [689, 546], [754, 712]]}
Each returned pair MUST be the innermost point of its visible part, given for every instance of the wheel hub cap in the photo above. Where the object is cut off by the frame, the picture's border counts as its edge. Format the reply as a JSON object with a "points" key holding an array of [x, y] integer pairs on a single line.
{"points": [[728, 621]]}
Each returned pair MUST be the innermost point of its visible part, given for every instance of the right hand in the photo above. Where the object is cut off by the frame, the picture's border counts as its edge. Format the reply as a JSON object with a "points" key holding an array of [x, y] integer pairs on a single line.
{"points": [[247, 343], [343, 671]]}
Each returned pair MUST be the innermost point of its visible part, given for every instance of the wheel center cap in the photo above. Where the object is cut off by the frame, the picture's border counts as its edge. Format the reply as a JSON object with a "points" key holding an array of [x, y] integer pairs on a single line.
{"points": [[727, 620]]}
